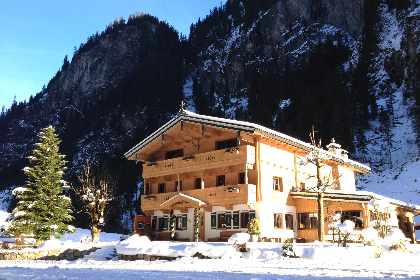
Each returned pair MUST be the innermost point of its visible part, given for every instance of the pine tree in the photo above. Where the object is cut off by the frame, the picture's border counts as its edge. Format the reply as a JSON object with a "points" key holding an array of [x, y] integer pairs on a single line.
{"points": [[43, 211]]}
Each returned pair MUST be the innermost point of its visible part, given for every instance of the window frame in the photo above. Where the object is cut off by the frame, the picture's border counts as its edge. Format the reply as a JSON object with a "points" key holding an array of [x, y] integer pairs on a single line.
{"points": [[278, 224], [174, 154], [288, 222], [197, 183], [220, 222], [244, 218], [180, 185], [279, 185], [217, 180], [225, 144], [241, 178], [348, 212], [178, 223], [309, 220], [161, 186]]}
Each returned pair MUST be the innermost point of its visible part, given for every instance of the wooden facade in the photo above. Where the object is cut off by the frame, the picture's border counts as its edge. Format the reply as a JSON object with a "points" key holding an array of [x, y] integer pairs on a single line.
{"points": [[232, 171]]}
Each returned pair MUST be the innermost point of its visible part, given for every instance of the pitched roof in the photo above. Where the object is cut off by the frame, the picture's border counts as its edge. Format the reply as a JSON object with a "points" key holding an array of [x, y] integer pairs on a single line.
{"points": [[242, 126]]}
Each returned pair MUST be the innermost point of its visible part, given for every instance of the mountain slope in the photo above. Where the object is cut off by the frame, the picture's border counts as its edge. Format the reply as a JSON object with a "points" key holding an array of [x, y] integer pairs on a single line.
{"points": [[347, 67]]}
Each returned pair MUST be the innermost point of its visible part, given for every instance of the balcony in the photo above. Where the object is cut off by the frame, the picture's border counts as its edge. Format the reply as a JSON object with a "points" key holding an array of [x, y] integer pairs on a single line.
{"points": [[201, 161], [225, 196]]}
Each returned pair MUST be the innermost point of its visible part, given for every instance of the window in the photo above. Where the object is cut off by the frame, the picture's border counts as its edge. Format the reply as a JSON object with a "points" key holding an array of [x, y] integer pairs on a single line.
{"points": [[174, 154], [180, 186], [221, 218], [161, 188], [220, 180], [277, 184], [163, 223], [355, 216], [288, 218], [198, 183], [244, 219], [277, 220], [178, 222], [220, 145], [241, 178], [308, 220], [147, 189]]}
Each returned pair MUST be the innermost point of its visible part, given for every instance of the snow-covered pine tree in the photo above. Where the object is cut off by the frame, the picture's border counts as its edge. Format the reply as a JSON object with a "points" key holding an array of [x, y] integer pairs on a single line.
{"points": [[43, 210]]}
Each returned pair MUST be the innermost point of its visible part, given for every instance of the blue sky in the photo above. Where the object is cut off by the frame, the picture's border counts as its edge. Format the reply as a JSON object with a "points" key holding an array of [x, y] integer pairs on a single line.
{"points": [[35, 35]]}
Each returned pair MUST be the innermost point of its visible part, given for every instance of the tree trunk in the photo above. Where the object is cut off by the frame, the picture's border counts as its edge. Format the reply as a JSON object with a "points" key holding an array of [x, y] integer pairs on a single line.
{"points": [[321, 232], [95, 231]]}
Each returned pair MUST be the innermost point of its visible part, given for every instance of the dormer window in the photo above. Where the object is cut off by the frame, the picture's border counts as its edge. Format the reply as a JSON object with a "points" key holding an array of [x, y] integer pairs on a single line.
{"points": [[230, 143], [174, 154]]}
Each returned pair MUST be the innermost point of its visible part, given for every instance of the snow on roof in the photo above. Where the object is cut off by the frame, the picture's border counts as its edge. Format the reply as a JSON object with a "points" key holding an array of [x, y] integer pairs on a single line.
{"points": [[356, 195], [185, 115], [186, 196]]}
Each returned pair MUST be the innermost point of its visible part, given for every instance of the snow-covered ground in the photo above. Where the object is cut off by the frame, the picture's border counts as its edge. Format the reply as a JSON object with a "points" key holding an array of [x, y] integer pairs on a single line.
{"points": [[264, 261]]}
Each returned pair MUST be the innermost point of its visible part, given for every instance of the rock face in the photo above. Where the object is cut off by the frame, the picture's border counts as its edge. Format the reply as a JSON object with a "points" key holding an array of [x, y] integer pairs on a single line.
{"points": [[94, 72], [285, 33]]}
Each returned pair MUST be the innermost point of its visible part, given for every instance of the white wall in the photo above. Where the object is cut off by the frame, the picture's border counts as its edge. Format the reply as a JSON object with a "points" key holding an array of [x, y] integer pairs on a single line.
{"points": [[265, 213], [347, 181]]}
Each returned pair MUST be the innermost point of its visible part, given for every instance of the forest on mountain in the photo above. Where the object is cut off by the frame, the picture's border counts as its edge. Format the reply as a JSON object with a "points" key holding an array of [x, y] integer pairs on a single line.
{"points": [[280, 64]]}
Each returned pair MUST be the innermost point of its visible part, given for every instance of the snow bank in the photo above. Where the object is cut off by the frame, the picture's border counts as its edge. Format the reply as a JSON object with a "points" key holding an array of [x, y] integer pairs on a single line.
{"points": [[239, 238], [331, 252], [394, 237]]}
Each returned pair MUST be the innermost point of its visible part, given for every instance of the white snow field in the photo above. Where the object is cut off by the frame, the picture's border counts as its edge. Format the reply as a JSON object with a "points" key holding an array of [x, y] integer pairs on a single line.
{"points": [[264, 261]]}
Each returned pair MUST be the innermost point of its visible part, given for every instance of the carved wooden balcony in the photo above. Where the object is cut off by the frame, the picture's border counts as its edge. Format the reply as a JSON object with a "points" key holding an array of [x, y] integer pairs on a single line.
{"points": [[225, 196], [214, 159]]}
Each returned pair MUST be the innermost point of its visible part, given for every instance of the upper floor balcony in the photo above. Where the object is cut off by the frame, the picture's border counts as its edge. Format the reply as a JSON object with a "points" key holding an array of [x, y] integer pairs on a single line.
{"points": [[225, 196], [214, 159]]}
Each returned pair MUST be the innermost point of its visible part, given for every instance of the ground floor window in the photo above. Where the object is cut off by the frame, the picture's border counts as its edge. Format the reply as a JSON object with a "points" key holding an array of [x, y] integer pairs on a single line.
{"points": [[308, 220], [221, 220], [288, 218], [355, 216], [277, 220], [244, 219], [162, 223], [178, 222]]}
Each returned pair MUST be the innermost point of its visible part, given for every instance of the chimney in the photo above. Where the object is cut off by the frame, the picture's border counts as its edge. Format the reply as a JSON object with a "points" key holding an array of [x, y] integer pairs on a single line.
{"points": [[336, 149]]}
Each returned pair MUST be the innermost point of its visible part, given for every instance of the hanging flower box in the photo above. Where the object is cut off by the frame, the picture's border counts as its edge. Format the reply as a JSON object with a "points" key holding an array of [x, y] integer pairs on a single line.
{"points": [[232, 151], [188, 158], [232, 189]]}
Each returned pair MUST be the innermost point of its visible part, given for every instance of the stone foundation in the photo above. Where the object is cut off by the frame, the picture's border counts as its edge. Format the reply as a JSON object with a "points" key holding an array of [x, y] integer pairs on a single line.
{"points": [[55, 254], [144, 257]]}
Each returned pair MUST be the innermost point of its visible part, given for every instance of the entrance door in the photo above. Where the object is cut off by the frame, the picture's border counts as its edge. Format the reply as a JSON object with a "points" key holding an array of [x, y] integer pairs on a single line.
{"points": [[202, 228]]}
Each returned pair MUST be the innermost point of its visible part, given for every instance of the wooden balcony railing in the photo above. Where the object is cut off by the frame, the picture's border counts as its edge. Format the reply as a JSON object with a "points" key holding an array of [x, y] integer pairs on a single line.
{"points": [[225, 196], [214, 159]]}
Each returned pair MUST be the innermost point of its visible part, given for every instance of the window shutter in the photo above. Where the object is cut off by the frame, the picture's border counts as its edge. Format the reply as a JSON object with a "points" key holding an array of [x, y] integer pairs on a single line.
{"points": [[184, 221], [235, 218], [154, 223], [213, 220], [228, 217], [251, 215], [165, 222]]}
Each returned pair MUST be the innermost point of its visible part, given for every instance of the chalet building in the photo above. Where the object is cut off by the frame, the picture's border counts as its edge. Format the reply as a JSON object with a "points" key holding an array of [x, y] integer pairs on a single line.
{"points": [[233, 171]]}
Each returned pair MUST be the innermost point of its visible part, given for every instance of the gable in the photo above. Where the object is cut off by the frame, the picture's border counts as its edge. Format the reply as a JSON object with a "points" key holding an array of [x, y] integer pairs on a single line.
{"points": [[187, 130]]}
